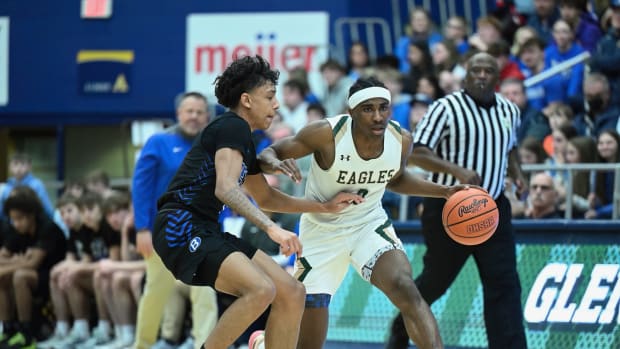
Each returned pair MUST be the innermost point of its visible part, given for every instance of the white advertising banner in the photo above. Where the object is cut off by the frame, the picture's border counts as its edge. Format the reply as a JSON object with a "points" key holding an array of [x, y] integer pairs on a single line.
{"points": [[4, 60], [286, 39]]}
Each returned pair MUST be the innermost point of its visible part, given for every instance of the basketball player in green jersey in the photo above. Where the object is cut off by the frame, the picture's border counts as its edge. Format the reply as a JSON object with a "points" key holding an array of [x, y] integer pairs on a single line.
{"points": [[362, 153]]}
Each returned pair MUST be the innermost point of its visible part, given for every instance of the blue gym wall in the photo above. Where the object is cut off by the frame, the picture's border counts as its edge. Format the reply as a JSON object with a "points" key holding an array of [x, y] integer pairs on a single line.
{"points": [[45, 37]]}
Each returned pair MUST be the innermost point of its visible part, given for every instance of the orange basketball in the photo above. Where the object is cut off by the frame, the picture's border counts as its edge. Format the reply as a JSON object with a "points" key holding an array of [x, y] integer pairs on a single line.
{"points": [[470, 216]]}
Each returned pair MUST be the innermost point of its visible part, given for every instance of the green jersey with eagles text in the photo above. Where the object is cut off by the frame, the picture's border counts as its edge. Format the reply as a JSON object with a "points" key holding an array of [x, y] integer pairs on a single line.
{"points": [[350, 173]]}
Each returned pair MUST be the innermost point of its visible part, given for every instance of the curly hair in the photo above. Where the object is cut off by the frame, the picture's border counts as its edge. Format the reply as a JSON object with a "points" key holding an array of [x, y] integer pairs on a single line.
{"points": [[25, 200], [243, 75]]}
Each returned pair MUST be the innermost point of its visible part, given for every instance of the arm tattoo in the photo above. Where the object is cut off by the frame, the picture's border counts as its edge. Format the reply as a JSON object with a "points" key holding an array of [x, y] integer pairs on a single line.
{"points": [[239, 202]]}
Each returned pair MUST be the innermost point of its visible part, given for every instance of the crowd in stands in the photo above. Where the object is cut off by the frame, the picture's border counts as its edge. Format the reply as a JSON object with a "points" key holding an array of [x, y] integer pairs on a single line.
{"points": [[84, 248]]}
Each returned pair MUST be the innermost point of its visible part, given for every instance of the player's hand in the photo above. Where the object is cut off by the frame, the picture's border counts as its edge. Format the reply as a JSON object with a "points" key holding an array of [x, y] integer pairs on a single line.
{"points": [[144, 243], [289, 168], [341, 201], [288, 241], [453, 189], [466, 176]]}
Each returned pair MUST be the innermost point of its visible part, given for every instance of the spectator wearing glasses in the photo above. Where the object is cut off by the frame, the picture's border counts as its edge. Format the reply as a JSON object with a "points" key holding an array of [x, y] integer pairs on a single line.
{"points": [[543, 198]]}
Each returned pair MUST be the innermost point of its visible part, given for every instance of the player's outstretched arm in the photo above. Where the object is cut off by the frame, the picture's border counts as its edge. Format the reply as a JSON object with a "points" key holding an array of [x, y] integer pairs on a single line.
{"points": [[272, 199], [280, 156], [405, 182]]}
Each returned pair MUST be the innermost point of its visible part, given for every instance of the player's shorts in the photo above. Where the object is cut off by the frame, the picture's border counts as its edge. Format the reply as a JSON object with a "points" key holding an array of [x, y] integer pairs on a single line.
{"points": [[194, 249], [328, 252]]}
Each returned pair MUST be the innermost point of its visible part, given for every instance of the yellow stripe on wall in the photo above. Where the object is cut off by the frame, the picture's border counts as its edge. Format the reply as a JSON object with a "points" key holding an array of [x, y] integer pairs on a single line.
{"points": [[124, 56]]}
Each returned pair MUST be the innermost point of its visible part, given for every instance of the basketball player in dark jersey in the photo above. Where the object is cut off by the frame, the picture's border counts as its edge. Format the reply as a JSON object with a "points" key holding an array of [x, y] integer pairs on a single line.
{"points": [[187, 236]]}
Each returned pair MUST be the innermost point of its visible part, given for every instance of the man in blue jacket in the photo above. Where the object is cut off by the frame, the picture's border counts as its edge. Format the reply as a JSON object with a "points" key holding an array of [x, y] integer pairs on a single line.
{"points": [[158, 162]]}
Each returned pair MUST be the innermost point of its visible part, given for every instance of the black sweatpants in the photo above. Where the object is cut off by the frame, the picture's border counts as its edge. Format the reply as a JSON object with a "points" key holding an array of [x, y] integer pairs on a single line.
{"points": [[496, 262]]}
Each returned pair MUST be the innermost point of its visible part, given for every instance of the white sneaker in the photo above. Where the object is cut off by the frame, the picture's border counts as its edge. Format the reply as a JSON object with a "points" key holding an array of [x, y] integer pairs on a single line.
{"points": [[98, 337], [162, 344], [69, 341], [257, 340], [52, 341], [187, 344]]}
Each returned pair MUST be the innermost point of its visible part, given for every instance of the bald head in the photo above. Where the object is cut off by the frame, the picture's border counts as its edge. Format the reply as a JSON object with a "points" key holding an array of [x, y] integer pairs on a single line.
{"points": [[482, 57], [481, 78]]}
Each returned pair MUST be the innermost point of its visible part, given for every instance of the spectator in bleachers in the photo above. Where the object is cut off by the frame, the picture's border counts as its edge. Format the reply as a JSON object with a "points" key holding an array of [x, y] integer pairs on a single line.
{"points": [[334, 94], [564, 48], [420, 63], [98, 181], [548, 91], [599, 113], [531, 152], [117, 279], [420, 28], [533, 122], [27, 258], [294, 107], [428, 84], [601, 201], [357, 60], [587, 30], [20, 171], [521, 36], [449, 82], [580, 150], [557, 114], [445, 56], [545, 14], [78, 250], [393, 81], [74, 187], [455, 30], [560, 135], [315, 111], [508, 69], [542, 198], [606, 58], [78, 279], [489, 30], [419, 106]]}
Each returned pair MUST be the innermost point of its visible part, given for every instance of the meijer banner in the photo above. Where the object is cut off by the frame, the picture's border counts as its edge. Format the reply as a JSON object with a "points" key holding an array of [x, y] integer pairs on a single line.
{"points": [[286, 39]]}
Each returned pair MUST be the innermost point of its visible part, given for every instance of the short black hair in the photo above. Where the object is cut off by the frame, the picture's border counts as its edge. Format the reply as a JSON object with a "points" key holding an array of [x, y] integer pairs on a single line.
{"points": [[363, 83], [241, 76], [25, 200], [318, 107]]}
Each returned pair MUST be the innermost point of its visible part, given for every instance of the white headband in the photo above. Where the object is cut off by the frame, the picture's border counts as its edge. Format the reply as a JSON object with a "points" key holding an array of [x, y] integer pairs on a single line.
{"points": [[368, 93]]}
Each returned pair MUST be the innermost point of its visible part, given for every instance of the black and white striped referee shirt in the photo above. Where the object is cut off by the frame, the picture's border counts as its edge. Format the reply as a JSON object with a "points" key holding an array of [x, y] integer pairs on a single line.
{"points": [[471, 136]]}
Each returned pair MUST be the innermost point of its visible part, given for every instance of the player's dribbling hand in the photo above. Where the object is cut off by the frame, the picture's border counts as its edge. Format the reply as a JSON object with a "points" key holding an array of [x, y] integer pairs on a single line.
{"points": [[288, 241], [289, 167], [466, 176], [341, 201]]}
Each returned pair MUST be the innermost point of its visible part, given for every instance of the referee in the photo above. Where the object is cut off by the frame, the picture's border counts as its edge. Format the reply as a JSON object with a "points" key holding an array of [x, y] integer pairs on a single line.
{"points": [[470, 137]]}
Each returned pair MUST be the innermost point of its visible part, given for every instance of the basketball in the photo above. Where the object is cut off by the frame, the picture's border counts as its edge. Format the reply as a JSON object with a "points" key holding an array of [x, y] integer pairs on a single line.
{"points": [[470, 216]]}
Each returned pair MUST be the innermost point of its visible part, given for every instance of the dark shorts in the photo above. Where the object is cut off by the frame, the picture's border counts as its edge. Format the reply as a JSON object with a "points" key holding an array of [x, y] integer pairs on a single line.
{"points": [[194, 249]]}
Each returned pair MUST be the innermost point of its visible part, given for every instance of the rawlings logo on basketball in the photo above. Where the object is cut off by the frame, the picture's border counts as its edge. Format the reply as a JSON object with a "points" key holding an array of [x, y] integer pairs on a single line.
{"points": [[475, 206]]}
